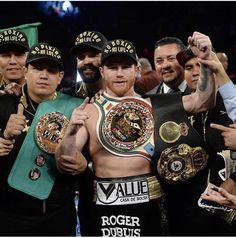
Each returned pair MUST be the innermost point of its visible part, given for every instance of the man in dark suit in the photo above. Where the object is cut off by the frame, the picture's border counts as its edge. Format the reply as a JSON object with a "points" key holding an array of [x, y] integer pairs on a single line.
{"points": [[167, 66], [182, 197]]}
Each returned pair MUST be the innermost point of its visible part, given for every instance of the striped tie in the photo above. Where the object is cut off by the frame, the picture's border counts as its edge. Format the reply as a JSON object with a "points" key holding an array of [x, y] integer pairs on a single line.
{"points": [[173, 90]]}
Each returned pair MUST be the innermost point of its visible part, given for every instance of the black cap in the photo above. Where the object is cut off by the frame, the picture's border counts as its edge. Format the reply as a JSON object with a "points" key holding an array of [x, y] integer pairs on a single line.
{"points": [[93, 39], [13, 38], [44, 51], [119, 47], [184, 55]]}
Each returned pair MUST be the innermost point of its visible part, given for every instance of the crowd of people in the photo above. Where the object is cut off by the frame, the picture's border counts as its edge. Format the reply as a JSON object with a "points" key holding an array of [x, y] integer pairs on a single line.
{"points": [[138, 145]]}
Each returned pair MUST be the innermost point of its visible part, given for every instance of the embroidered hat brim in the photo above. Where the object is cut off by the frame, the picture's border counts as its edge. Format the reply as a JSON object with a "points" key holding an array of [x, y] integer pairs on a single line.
{"points": [[118, 47], [59, 63], [15, 45], [92, 39], [116, 53], [44, 51], [79, 47], [13, 39]]}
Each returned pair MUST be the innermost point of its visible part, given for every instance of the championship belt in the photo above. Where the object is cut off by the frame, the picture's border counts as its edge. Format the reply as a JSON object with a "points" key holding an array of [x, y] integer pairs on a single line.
{"points": [[49, 131], [35, 169], [180, 152], [126, 126], [181, 162]]}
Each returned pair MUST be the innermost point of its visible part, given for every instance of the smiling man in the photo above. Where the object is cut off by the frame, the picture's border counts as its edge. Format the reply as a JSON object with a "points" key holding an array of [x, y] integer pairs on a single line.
{"points": [[13, 51], [87, 50], [118, 132]]}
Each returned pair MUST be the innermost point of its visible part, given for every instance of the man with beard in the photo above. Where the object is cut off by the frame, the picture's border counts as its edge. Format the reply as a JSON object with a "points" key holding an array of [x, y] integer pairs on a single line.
{"points": [[120, 160], [87, 50]]}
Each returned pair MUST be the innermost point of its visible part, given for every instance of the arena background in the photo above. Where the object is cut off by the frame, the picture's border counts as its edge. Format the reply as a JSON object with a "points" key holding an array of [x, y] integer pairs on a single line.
{"points": [[141, 22]]}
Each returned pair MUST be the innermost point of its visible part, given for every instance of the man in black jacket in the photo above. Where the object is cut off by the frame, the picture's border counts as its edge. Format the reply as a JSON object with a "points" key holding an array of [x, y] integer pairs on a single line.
{"points": [[182, 196], [87, 50], [35, 199], [13, 51]]}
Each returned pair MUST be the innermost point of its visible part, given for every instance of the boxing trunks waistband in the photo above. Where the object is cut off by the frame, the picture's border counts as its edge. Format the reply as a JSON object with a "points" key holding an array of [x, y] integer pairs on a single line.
{"points": [[126, 190]]}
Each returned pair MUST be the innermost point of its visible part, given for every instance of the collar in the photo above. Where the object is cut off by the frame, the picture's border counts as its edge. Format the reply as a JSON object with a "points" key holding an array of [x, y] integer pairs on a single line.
{"points": [[23, 98], [181, 87], [82, 91], [3, 84]]}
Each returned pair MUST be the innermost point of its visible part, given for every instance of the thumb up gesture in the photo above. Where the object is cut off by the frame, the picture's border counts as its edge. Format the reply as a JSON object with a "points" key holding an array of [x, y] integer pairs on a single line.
{"points": [[15, 124]]}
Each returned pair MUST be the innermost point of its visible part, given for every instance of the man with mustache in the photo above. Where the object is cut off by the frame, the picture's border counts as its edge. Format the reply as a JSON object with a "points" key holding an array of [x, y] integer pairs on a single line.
{"points": [[166, 65], [87, 50], [120, 160]]}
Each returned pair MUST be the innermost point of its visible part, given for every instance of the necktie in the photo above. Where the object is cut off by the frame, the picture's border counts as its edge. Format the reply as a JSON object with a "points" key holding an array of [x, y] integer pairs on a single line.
{"points": [[173, 90]]}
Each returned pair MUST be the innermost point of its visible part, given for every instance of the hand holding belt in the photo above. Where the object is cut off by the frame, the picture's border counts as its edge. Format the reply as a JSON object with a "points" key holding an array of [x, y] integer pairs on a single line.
{"points": [[34, 170]]}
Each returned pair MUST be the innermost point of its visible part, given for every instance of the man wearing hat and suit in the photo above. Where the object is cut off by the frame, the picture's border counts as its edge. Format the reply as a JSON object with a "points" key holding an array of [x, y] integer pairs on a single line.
{"points": [[13, 51], [118, 131], [35, 199], [87, 49]]}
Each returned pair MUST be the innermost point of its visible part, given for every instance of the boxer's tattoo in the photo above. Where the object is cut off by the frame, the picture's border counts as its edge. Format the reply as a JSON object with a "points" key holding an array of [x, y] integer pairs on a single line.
{"points": [[203, 81]]}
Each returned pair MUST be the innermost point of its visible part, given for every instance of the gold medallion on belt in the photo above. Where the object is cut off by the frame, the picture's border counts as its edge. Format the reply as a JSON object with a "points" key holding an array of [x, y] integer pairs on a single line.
{"points": [[128, 125], [181, 162], [170, 131], [49, 131]]}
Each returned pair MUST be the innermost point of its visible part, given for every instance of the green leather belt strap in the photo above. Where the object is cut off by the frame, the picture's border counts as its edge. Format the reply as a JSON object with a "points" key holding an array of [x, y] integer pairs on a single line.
{"points": [[20, 176]]}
